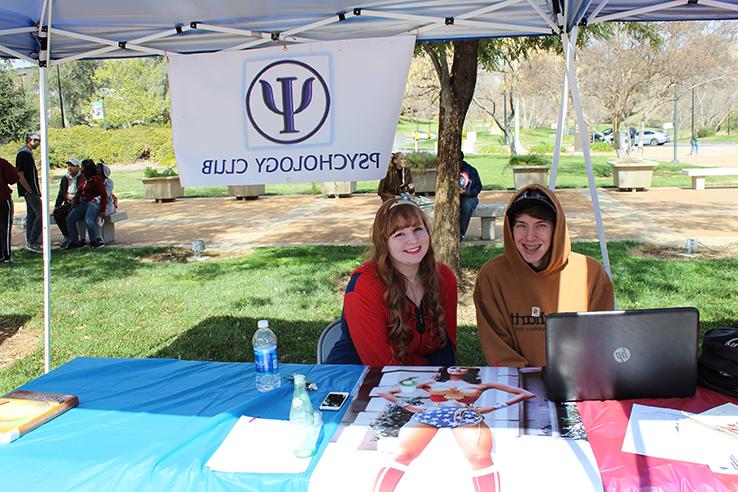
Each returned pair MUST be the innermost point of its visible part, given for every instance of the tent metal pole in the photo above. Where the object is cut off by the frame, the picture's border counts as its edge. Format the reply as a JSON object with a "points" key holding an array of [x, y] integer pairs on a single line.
{"points": [[44, 110], [561, 126], [720, 5], [636, 12], [597, 11], [132, 44], [17, 30], [469, 15], [16, 54], [587, 156], [43, 95], [227, 30], [543, 15], [457, 21]]}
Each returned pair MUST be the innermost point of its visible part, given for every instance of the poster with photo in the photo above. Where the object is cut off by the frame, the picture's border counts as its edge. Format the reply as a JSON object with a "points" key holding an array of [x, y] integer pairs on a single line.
{"points": [[454, 428]]}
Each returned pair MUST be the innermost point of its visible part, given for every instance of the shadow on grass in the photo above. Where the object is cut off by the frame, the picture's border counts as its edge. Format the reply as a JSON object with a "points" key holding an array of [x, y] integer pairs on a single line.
{"points": [[81, 265], [228, 339], [10, 324]]}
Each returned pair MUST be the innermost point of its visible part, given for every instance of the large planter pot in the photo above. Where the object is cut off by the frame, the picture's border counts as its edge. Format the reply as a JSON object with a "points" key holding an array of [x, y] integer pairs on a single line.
{"points": [[632, 176], [342, 189], [424, 181], [246, 192], [163, 188], [527, 175]]}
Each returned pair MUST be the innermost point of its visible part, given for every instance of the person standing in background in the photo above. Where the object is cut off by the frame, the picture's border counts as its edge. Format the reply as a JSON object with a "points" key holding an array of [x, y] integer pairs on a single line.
{"points": [[694, 145], [29, 189], [8, 176], [470, 185]]}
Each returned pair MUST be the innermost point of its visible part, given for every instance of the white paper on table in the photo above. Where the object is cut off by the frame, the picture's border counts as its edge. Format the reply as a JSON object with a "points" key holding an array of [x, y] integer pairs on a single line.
{"points": [[662, 433], [258, 446], [654, 431], [720, 448]]}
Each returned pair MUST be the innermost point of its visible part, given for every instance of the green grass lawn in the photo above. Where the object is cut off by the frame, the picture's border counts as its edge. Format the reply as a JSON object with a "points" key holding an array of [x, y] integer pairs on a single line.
{"points": [[140, 303]]}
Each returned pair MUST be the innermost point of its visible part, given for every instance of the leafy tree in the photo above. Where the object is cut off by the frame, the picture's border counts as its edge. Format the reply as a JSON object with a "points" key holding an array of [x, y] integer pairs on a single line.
{"points": [[456, 65], [78, 90], [136, 91], [17, 115]]}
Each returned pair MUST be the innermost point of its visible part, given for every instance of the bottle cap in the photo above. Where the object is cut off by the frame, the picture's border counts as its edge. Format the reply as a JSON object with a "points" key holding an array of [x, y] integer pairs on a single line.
{"points": [[263, 323]]}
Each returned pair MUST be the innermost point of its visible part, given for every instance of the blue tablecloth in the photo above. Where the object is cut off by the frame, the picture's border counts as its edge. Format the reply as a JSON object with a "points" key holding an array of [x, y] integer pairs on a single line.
{"points": [[152, 424]]}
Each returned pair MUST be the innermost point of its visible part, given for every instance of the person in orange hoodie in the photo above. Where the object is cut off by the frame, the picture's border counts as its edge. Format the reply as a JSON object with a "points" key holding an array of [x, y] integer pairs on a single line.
{"points": [[537, 275]]}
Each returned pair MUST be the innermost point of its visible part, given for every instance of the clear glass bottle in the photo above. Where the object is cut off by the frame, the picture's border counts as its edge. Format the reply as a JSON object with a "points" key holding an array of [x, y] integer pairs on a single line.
{"points": [[303, 419], [265, 358]]}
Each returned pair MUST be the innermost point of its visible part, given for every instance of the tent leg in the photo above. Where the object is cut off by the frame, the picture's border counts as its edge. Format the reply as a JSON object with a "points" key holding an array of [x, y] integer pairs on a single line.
{"points": [[574, 87], [561, 126], [44, 131]]}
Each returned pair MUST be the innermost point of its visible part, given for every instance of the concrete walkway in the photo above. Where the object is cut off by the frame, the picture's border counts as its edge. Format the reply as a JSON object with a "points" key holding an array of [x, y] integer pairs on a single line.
{"points": [[661, 216]]}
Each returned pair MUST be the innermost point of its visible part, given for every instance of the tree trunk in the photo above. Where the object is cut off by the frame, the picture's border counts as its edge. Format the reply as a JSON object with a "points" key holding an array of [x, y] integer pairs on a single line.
{"points": [[457, 90], [616, 137]]}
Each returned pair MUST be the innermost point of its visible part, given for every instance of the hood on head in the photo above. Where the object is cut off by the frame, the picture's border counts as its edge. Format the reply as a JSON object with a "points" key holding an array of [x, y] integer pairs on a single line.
{"points": [[560, 242]]}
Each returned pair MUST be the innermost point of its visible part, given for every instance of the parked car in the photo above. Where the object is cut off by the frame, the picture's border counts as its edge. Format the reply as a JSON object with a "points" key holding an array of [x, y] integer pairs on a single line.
{"points": [[652, 137]]}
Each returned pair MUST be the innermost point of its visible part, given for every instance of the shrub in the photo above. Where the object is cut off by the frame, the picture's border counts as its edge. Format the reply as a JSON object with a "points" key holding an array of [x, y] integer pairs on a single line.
{"points": [[541, 148], [151, 172], [601, 147], [111, 146], [602, 170], [421, 160], [706, 132], [529, 160]]}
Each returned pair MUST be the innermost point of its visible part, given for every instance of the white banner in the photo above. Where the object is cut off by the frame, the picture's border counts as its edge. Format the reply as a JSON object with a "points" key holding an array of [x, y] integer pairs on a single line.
{"points": [[313, 112]]}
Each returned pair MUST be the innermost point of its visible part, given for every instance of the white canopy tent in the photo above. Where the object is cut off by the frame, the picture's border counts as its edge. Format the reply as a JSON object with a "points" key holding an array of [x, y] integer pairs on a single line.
{"points": [[51, 32]]}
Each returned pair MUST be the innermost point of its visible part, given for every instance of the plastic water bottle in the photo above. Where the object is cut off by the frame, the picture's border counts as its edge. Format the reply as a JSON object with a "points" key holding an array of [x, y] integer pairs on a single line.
{"points": [[302, 418], [265, 358]]}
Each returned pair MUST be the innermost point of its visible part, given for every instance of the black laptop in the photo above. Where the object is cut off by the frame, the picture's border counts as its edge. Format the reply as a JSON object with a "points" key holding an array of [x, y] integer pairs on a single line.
{"points": [[620, 355]]}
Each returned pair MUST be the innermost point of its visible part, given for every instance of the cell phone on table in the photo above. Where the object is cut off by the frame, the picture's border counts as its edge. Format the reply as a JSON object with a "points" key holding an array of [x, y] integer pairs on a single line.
{"points": [[334, 400]]}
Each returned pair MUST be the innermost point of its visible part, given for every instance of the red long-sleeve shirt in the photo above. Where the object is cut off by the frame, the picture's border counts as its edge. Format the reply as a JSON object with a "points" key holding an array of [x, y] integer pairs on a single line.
{"points": [[93, 187], [8, 176], [367, 317]]}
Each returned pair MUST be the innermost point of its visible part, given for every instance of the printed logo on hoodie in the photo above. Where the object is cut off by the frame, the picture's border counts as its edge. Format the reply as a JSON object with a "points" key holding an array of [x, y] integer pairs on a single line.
{"points": [[526, 322]]}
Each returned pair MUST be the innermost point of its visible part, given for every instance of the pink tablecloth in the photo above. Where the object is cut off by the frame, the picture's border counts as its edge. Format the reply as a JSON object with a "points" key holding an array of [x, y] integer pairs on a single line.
{"points": [[606, 421]]}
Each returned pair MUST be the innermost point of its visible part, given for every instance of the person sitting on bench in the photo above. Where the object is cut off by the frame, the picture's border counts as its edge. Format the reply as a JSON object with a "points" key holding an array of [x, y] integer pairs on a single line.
{"points": [[85, 206], [63, 205], [398, 180]]}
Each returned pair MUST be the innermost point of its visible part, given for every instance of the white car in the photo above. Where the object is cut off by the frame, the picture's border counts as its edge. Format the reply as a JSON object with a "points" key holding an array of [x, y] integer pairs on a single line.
{"points": [[652, 137]]}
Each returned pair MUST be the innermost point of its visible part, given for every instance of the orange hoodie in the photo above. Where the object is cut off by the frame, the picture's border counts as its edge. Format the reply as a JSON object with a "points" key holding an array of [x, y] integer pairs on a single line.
{"points": [[513, 300]]}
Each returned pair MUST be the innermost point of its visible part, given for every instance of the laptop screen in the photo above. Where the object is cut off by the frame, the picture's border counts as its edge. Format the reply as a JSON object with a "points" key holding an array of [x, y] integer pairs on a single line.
{"points": [[618, 355]]}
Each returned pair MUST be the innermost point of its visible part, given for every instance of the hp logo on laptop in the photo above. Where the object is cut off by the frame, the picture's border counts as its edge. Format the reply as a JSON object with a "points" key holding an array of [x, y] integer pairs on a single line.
{"points": [[621, 355]]}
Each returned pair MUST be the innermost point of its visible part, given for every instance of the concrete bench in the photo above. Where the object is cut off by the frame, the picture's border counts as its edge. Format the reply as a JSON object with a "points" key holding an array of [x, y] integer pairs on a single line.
{"points": [[108, 229], [698, 174], [488, 213]]}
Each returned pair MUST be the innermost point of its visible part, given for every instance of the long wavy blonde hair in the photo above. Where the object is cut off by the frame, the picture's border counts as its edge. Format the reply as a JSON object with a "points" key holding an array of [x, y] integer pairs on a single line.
{"points": [[393, 215]]}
